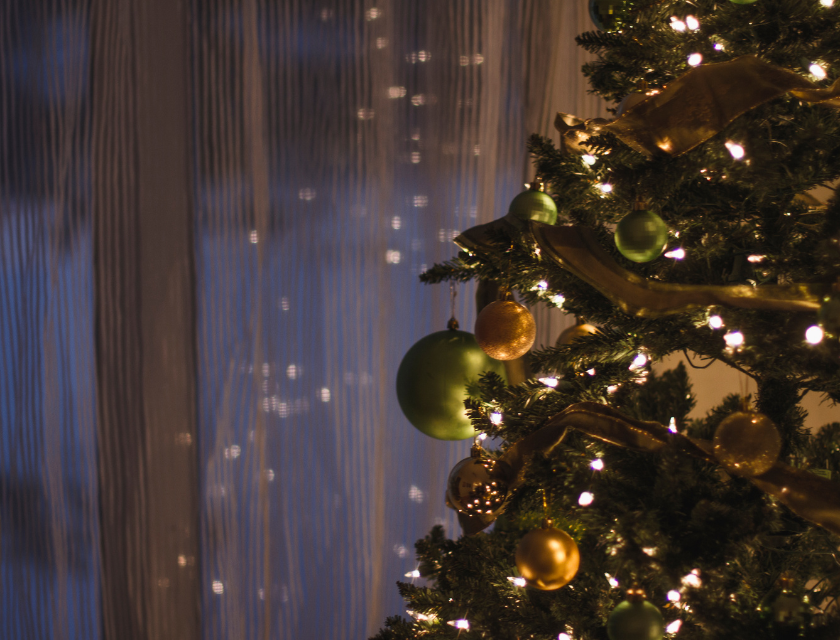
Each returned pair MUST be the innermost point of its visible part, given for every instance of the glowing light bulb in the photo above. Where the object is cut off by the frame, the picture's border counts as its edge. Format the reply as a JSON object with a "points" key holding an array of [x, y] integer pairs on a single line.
{"points": [[413, 574], [496, 417], [460, 624], [674, 626], [589, 159], [715, 322], [519, 582], [817, 71], [564, 636], [672, 426], [692, 23], [734, 339], [549, 382], [597, 464], [673, 596], [676, 254], [692, 579], [827, 3], [585, 499], [482, 436], [695, 59], [542, 285], [605, 187], [591, 372], [756, 258], [677, 24], [638, 362], [718, 46], [735, 150], [612, 388], [558, 300], [613, 582], [814, 335]]}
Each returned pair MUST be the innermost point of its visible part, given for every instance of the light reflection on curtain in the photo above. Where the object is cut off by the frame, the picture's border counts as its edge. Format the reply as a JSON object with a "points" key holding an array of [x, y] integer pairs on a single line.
{"points": [[341, 147]]}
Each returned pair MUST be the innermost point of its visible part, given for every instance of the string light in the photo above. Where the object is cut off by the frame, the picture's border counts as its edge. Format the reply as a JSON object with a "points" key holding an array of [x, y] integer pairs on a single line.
{"points": [[589, 159], [695, 59], [692, 23], [676, 254], [542, 285], [564, 636], [413, 574], [423, 617], [613, 582], [585, 499], [827, 3], [638, 362], [735, 149], [692, 579], [496, 417], [814, 334], [482, 436], [558, 300], [673, 596], [734, 339], [674, 626], [549, 382], [605, 187], [518, 582], [716, 322], [756, 258], [718, 46], [677, 24], [597, 464], [672, 426], [817, 71], [591, 372], [460, 624], [612, 388]]}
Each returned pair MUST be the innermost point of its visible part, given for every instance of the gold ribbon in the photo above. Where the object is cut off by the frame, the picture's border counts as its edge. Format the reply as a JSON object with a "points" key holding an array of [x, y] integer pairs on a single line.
{"points": [[578, 250], [806, 494], [697, 105]]}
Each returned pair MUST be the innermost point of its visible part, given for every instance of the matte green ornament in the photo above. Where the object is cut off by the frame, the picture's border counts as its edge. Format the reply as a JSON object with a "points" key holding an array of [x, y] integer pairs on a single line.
{"points": [[432, 378], [829, 313], [641, 235], [609, 15], [635, 619], [534, 204]]}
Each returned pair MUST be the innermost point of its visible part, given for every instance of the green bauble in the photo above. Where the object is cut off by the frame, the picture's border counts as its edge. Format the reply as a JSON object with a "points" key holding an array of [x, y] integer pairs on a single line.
{"points": [[609, 15], [534, 205], [432, 378], [641, 236], [635, 620], [829, 313]]}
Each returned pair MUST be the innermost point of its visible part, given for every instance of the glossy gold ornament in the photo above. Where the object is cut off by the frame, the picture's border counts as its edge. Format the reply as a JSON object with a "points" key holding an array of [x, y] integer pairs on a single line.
{"points": [[568, 336], [478, 484], [747, 443], [547, 558], [505, 330]]}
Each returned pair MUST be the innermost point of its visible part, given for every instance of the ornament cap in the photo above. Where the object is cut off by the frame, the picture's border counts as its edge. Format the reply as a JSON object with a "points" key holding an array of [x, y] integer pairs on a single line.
{"points": [[537, 184], [452, 325], [636, 594], [640, 204], [546, 523]]}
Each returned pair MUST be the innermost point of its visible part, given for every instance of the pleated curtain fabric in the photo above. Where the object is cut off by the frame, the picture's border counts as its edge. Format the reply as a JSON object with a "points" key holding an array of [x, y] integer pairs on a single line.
{"points": [[212, 219]]}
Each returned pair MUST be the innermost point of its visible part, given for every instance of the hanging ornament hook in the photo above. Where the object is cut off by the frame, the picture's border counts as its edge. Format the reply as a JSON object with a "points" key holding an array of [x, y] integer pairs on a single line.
{"points": [[452, 325]]}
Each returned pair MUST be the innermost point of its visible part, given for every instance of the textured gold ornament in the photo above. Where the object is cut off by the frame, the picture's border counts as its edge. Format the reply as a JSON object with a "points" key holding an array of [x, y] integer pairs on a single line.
{"points": [[806, 494], [747, 443], [568, 336], [696, 106], [578, 250], [547, 558], [505, 330]]}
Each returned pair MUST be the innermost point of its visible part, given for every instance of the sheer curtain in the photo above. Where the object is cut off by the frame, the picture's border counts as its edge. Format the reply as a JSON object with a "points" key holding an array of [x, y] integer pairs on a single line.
{"points": [[212, 219]]}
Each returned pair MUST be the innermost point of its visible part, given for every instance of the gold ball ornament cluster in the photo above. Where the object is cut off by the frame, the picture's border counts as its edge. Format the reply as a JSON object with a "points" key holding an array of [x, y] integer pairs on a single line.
{"points": [[568, 336], [547, 558], [505, 330], [747, 443]]}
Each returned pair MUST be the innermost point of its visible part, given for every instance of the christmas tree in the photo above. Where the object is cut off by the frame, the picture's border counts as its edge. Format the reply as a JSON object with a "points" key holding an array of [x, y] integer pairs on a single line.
{"points": [[685, 224]]}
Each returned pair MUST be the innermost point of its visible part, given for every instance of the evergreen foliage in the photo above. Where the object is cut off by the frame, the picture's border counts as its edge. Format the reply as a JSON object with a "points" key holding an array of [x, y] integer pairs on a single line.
{"points": [[657, 518]]}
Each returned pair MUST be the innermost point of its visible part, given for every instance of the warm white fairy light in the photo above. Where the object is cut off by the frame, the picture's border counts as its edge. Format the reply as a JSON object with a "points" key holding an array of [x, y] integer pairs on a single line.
{"points": [[817, 71], [716, 322], [518, 582], [672, 426], [564, 636], [413, 574], [735, 149], [695, 59], [676, 254], [612, 388], [585, 499], [692, 23], [496, 417], [674, 626], [755, 258], [482, 436], [814, 335], [542, 285], [591, 372], [673, 596], [549, 382], [460, 624], [613, 582], [558, 300], [827, 3], [597, 464], [734, 339], [605, 187], [677, 24], [692, 579], [718, 46], [638, 362], [589, 159], [422, 617]]}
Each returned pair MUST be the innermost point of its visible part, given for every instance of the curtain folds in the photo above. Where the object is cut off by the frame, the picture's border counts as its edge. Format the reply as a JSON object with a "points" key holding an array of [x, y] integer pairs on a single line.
{"points": [[212, 219]]}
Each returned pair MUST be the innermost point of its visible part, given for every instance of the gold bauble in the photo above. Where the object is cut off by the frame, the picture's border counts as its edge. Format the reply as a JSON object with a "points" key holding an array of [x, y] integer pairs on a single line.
{"points": [[505, 330], [568, 336], [747, 443], [478, 485], [547, 558]]}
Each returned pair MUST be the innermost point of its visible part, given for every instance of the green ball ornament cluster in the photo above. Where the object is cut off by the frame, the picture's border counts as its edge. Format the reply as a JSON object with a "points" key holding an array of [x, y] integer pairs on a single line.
{"points": [[610, 15], [635, 619], [641, 235], [432, 379], [534, 204]]}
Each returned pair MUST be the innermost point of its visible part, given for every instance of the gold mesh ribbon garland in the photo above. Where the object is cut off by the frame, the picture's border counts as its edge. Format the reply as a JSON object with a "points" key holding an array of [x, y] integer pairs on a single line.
{"points": [[806, 494]]}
